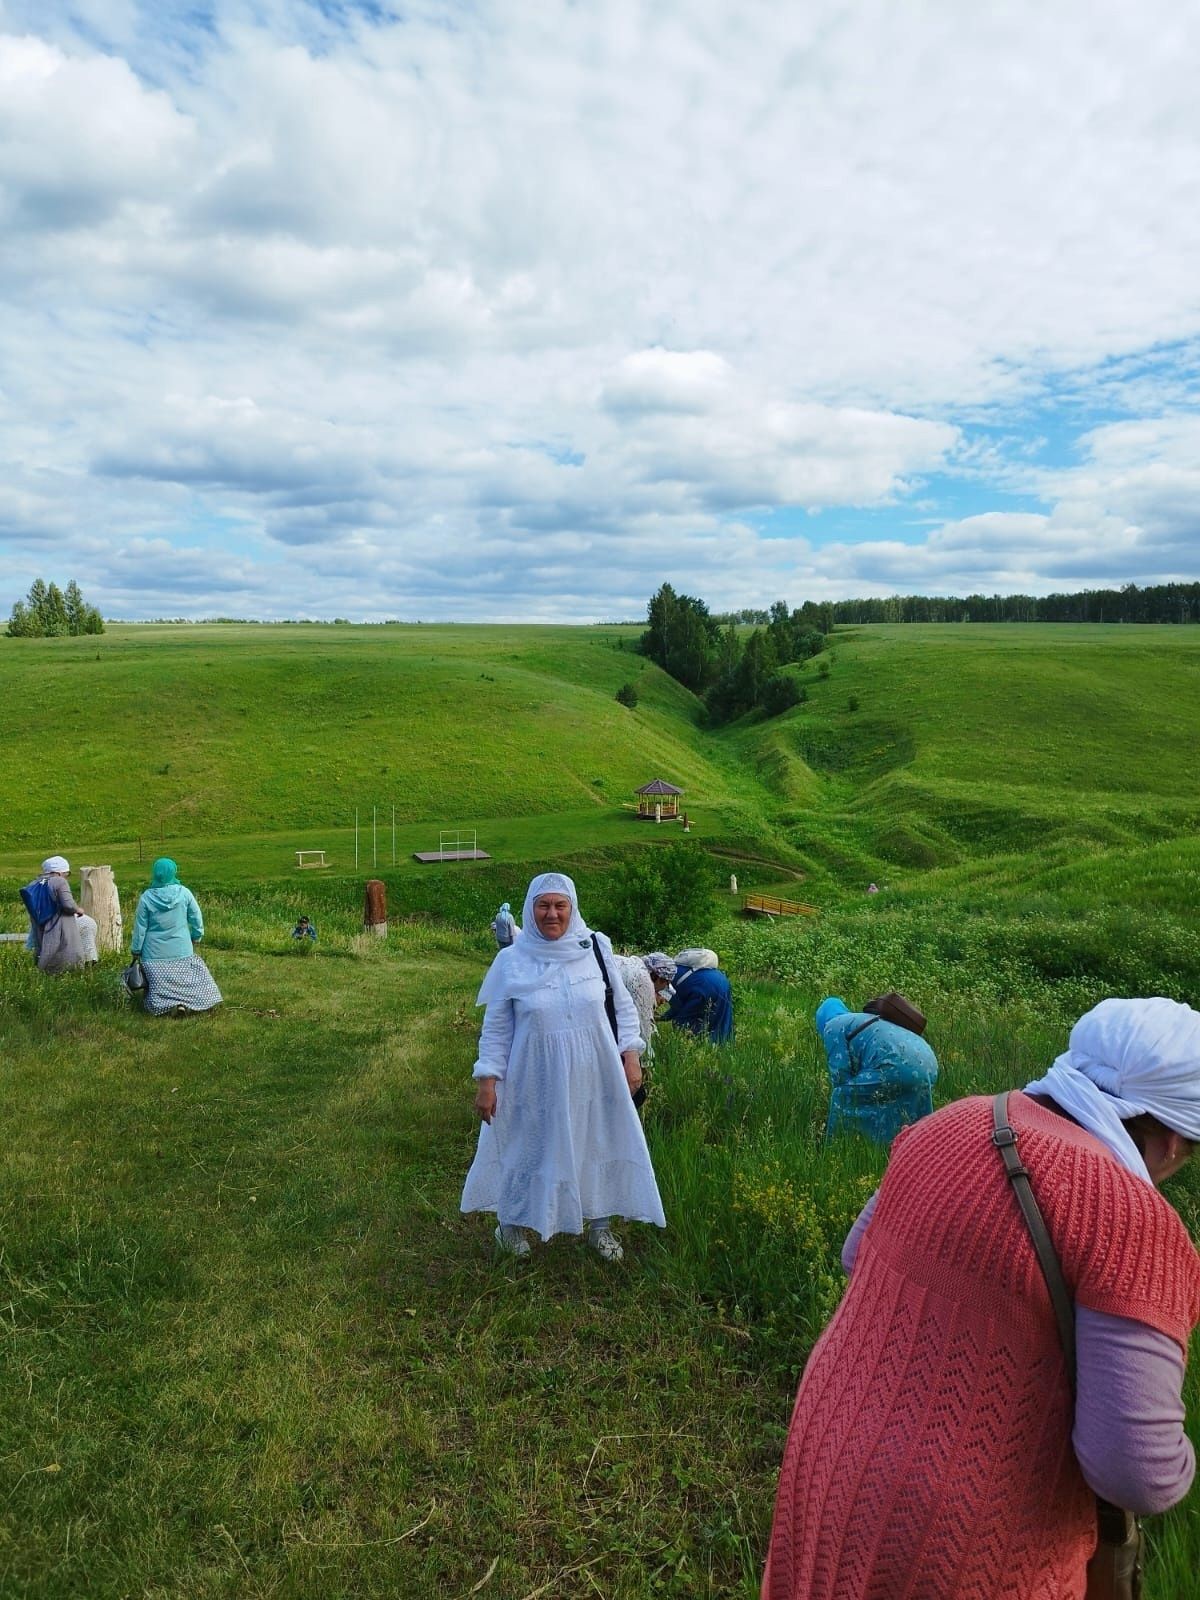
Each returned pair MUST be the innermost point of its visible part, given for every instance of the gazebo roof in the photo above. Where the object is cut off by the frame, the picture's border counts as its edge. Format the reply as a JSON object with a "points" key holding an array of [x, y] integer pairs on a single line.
{"points": [[658, 787]]}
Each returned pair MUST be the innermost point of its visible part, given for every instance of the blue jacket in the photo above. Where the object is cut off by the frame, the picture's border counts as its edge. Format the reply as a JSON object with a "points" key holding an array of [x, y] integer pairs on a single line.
{"points": [[167, 923], [703, 1004]]}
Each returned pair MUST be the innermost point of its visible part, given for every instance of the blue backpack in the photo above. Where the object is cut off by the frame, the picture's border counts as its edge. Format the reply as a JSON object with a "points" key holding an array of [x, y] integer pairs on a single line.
{"points": [[39, 902]]}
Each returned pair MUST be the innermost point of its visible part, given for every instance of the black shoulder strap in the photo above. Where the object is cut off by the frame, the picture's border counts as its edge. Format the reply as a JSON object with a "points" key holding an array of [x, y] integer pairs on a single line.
{"points": [[609, 1004], [862, 1028], [1005, 1141]]}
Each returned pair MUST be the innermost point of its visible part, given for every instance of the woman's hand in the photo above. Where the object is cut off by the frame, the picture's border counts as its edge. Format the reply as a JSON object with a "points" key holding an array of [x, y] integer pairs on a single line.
{"points": [[632, 1063], [485, 1098]]}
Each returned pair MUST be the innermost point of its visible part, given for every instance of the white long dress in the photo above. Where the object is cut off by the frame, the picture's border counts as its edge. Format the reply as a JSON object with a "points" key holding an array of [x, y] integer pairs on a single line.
{"points": [[565, 1144]]}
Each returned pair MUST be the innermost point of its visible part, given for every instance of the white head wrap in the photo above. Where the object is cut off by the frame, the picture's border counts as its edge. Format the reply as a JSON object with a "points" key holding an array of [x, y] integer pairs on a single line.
{"points": [[1126, 1057], [56, 864], [697, 960], [527, 963]]}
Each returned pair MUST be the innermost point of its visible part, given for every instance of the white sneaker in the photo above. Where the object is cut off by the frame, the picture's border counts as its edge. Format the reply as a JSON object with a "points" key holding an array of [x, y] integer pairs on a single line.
{"points": [[606, 1244], [511, 1240]]}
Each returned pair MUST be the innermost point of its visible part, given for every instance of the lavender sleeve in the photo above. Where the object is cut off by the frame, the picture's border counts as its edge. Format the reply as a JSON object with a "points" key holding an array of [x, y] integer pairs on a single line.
{"points": [[854, 1237], [1129, 1439]]}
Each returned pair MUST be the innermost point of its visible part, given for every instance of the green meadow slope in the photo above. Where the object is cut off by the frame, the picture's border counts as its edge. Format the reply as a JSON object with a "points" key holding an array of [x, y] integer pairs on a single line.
{"points": [[232, 730], [930, 759], [931, 748]]}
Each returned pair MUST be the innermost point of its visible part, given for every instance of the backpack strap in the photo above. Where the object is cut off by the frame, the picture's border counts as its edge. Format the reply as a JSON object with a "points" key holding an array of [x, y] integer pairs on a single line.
{"points": [[1005, 1140], [609, 1004], [862, 1028], [1120, 1537]]}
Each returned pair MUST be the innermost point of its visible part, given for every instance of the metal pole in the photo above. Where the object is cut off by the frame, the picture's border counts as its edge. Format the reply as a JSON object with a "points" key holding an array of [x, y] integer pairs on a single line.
{"points": [[374, 846], [356, 838], [393, 836]]}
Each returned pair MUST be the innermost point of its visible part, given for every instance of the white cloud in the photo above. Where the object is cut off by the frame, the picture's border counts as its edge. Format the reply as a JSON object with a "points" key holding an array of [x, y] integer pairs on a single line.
{"points": [[562, 281]]}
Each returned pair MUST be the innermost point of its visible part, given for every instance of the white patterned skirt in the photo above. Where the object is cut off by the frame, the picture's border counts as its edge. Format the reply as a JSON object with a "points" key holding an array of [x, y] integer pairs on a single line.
{"points": [[175, 984]]}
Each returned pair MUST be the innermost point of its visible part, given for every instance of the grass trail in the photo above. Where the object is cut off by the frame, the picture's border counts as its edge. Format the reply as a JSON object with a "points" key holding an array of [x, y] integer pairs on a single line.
{"points": [[252, 1348]]}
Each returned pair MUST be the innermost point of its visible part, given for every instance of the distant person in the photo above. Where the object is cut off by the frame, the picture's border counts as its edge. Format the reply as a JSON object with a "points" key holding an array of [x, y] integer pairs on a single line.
{"points": [[882, 1074], [165, 928], [61, 937], [561, 1149], [703, 999], [940, 1446], [504, 926], [305, 930]]}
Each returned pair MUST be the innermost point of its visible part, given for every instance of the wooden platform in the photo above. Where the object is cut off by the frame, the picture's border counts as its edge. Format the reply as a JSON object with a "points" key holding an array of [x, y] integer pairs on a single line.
{"points": [[451, 855], [769, 905]]}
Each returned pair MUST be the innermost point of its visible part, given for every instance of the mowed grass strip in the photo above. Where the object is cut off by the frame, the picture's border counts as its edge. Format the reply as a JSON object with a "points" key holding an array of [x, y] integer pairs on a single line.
{"points": [[251, 1347]]}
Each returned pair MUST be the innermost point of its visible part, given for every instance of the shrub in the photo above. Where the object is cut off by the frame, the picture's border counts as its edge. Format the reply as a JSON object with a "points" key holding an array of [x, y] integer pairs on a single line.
{"points": [[780, 693], [627, 695], [661, 897]]}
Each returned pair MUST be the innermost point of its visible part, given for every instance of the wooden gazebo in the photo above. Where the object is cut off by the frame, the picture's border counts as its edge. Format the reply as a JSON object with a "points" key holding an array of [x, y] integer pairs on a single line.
{"points": [[658, 800]]}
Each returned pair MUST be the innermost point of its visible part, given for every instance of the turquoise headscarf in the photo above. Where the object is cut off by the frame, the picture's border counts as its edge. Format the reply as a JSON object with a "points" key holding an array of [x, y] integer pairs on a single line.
{"points": [[164, 871]]}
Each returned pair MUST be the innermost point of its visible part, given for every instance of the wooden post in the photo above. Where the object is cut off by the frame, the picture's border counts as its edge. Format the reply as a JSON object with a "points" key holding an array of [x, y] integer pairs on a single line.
{"points": [[98, 897], [375, 908]]}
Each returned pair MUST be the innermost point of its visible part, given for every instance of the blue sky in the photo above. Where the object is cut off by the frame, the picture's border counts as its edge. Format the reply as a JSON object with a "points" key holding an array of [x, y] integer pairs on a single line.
{"points": [[516, 309]]}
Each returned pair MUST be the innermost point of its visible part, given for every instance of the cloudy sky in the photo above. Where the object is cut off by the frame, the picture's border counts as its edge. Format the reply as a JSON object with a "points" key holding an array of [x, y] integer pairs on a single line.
{"points": [[517, 308]]}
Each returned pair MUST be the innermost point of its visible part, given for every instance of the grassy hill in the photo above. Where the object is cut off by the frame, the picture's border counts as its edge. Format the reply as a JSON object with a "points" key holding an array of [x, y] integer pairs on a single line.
{"points": [[250, 1345], [229, 730], [918, 747]]}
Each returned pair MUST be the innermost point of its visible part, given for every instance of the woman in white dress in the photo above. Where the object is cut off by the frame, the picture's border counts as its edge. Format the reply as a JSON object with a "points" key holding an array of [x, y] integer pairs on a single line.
{"points": [[561, 1144]]}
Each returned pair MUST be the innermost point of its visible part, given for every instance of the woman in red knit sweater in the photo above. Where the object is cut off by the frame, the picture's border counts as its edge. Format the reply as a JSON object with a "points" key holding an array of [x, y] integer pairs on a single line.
{"points": [[935, 1449]]}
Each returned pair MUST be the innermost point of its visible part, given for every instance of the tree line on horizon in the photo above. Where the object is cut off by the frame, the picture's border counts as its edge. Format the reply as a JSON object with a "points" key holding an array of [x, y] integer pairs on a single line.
{"points": [[47, 612], [1163, 602]]}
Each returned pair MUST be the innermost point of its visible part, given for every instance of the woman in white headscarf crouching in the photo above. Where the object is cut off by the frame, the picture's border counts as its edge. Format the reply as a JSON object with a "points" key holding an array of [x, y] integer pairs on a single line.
{"points": [[561, 1146], [67, 940]]}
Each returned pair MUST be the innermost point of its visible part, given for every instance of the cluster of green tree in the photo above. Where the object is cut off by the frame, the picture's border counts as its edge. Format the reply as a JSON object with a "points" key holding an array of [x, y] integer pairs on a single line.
{"points": [[735, 674], [47, 613], [658, 898], [1163, 602]]}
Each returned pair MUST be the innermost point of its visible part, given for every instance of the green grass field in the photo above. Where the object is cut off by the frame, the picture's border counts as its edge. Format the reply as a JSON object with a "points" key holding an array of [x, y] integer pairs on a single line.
{"points": [[249, 1346]]}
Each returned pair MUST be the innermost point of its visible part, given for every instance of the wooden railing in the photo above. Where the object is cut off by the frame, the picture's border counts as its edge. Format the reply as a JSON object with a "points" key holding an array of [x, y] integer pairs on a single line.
{"points": [[770, 905]]}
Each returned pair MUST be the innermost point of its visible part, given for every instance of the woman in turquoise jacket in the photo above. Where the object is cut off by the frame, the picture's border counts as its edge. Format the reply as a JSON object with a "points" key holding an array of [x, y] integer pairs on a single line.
{"points": [[165, 928], [882, 1075]]}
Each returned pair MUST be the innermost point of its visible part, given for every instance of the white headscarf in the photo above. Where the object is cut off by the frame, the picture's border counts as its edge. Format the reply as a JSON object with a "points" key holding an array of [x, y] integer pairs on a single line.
{"points": [[1127, 1057], [695, 960], [56, 864], [527, 963]]}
